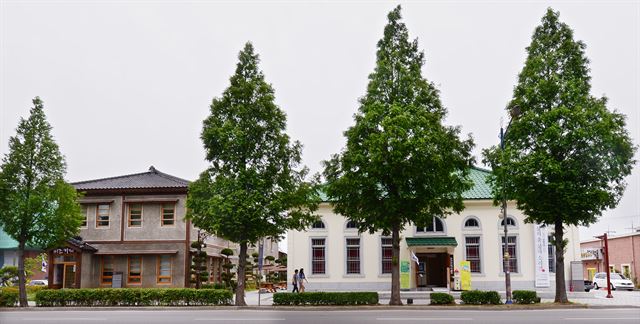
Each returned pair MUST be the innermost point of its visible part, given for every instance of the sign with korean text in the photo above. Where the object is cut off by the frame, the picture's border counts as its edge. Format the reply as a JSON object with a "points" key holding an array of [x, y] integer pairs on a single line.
{"points": [[590, 254], [541, 255]]}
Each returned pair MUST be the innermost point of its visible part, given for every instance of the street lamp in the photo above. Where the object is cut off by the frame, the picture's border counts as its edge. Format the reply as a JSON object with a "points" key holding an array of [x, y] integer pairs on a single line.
{"points": [[514, 111]]}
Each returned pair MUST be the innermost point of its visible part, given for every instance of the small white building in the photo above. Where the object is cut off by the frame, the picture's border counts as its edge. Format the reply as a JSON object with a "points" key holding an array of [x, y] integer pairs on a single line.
{"points": [[338, 258]]}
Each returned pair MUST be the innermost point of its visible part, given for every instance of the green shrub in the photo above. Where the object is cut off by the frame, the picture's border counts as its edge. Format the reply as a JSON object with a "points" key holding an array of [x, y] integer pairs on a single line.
{"points": [[441, 299], [216, 285], [8, 298], [326, 298], [132, 297], [478, 297], [525, 297]]}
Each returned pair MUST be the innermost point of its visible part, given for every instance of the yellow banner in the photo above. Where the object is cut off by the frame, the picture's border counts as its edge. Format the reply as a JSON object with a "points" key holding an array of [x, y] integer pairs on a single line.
{"points": [[405, 267], [465, 275]]}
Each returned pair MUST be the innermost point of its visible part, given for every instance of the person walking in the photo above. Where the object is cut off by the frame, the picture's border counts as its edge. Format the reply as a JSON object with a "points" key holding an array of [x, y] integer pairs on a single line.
{"points": [[301, 279], [294, 281]]}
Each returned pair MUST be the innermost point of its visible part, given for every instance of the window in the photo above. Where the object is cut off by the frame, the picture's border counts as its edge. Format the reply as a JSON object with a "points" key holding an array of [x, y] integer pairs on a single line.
{"points": [[626, 270], [164, 269], [135, 215], [318, 225], [552, 254], [435, 226], [510, 221], [472, 252], [168, 214], [318, 256], [352, 225], [472, 223], [512, 248], [135, 269], [83, 211], [387, 254], [353, 256], [102, 215], [612, 268], [107, 270]]}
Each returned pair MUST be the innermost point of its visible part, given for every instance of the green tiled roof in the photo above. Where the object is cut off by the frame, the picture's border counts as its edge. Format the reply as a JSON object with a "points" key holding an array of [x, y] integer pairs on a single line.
{"points": [[480, 190], [6, 242], [432, 241]]}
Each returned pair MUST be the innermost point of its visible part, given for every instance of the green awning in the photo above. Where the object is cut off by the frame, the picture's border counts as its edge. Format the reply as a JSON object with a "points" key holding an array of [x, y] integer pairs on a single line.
{"points": [[432, 241]]}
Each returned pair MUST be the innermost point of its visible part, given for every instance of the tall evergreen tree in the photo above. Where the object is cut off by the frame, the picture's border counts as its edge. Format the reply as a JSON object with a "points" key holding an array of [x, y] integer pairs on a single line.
{"points": [[37, 207], [400, 165], [566, 155], [253, 187]]}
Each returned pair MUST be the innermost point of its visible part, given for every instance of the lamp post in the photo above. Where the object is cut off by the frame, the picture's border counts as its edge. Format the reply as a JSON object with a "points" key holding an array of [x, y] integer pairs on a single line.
{"points": [[506, 266]]}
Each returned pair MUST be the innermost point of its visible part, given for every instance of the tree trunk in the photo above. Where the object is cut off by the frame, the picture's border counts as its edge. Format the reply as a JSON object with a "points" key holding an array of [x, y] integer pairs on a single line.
{"points": [[561, 290], [242, 262], [395, 269], [22, 278]]}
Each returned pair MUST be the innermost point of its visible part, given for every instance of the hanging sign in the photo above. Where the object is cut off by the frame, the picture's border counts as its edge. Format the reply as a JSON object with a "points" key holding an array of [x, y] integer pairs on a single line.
{"points": [[405, 267], [541, 255], [465, 275]]}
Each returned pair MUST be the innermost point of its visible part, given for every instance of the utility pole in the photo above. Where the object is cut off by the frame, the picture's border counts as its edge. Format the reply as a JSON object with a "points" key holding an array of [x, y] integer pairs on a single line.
{"points": [[606, 262]]}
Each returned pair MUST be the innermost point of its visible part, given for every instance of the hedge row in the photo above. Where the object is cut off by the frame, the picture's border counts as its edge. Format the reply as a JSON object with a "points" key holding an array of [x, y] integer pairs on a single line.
{"points": [[8, 298], [525, 297], [478, 297], [441, 299], [326, 298], [132, 297]]}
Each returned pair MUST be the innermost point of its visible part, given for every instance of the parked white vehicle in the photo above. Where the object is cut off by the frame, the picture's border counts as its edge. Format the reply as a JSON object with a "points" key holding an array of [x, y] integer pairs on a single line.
{"points": [[618, 281]]}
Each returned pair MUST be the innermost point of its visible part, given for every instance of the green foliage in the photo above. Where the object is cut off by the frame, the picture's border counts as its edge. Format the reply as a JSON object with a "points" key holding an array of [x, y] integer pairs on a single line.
{"points": [[33, 265], [401, 165], [525, 297], [227, 252], [478, 297], [563, 146], [8, 298], [441, 299], [133, 297], [8, 275], [199, 272], [326, 298], [254, 186], [216, 285], [37, 207]]}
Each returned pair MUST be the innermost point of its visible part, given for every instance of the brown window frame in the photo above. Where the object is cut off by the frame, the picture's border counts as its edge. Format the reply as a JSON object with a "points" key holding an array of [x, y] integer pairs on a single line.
{"points": [[129, 276], [160, 277], [98, 216], [102, 276], [129, 215], [162, 218]]}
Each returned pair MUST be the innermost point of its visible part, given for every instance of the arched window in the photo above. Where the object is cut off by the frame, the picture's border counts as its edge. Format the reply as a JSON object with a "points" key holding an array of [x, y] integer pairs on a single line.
{"points": [[510, 221], [435, 226], [472, 222], [351, 225], [318, 225]]}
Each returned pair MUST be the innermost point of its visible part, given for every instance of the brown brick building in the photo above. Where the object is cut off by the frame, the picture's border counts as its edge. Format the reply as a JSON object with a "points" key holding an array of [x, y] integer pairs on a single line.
{"points": [[624, 255]]}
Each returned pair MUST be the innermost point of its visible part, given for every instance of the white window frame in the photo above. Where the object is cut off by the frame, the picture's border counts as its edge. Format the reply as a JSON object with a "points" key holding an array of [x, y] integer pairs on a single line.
{"points": [[510, 227], [86, 215], [477, 229], [311, 228], [434, 233], [310, 273], [360, 259], [349, 229], [380, 273], [622, 266], [480, 252], [141, 215], [518, 254]]}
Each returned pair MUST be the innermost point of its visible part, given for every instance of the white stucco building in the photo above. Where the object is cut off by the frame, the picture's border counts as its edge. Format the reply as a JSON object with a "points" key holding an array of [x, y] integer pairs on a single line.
{"points": [[337, 258]]}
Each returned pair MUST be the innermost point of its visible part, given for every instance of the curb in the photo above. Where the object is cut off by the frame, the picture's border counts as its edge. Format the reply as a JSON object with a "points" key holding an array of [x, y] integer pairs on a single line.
{"points": [[323, 308]]}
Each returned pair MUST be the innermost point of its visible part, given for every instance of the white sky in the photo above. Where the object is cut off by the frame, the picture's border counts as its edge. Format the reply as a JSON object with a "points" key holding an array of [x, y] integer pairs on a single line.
{"points": [[126, 84]]}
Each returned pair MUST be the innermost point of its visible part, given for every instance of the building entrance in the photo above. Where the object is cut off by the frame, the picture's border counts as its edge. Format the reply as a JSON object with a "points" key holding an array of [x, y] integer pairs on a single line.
{"points": [[432, 270]]}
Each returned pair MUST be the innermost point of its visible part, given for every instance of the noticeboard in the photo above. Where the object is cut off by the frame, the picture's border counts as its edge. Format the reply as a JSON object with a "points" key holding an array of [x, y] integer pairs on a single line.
{"points": [[116, 280]]}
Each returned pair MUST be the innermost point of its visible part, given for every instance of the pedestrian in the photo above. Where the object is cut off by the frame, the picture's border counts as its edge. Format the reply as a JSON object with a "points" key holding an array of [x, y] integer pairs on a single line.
{"points": [[294, 281], [301, 279]]}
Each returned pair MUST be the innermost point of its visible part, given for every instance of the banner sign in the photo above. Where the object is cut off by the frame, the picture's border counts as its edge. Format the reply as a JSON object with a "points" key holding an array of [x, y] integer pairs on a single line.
{"points": [[465, 275], [405, 267], [541, 255], [590, 254]]}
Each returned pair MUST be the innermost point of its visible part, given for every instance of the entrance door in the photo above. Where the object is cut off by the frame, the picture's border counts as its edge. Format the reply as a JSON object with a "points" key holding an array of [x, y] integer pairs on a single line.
{"points": [[69, 276], [436, 270]]}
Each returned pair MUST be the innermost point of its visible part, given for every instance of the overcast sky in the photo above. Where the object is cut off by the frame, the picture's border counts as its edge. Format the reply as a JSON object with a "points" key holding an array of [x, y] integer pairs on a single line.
{"points": [[126, 84]]}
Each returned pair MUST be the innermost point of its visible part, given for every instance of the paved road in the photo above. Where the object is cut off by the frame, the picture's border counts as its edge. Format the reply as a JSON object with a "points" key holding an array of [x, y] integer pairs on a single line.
{"points": [[333, 317]]}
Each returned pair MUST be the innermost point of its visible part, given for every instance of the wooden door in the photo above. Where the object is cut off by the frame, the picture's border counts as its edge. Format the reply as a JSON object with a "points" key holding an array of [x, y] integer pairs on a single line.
{"points": [[69, 276]]}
